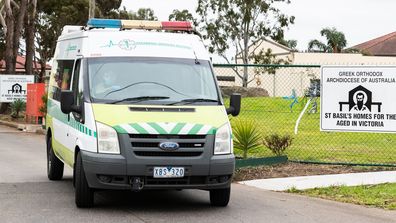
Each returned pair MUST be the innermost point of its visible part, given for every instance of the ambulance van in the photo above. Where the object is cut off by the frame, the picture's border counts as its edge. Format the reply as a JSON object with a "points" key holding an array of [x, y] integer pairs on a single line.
{"points": [[135, 105]]}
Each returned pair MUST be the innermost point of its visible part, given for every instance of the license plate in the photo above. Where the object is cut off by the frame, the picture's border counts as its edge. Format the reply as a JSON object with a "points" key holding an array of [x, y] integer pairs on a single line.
{"points": [[168, 172]]}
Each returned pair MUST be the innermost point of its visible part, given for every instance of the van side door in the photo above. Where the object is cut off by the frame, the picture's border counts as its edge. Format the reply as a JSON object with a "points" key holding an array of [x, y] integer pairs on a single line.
{"points": [[76, 127], [61, 121]]}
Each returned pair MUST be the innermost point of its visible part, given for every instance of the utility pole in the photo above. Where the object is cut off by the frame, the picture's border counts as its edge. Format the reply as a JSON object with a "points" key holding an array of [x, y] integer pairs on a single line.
{"points": [[92, 5]]}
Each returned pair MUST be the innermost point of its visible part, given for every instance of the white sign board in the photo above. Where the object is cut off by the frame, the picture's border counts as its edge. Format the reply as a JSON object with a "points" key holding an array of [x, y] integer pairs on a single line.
{"points": [[358, 98], [13, 87]]}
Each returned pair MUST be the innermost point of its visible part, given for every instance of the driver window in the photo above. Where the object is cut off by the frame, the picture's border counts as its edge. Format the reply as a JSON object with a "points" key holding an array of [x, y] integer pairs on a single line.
{"points": [[77, 87]]}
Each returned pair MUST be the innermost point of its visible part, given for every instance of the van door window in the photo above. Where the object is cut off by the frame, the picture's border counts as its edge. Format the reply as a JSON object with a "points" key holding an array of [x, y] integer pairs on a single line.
{"points": [[77, 83], [62, 77]]}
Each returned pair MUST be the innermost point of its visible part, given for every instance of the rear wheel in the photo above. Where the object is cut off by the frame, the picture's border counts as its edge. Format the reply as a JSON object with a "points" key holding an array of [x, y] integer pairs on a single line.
{"points": [[84, 194], [54, 165], [220, 197]]}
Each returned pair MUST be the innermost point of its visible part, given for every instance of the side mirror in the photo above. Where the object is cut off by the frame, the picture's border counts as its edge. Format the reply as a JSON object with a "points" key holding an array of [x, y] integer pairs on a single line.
{"points": [[235, 105], [67, 102]]}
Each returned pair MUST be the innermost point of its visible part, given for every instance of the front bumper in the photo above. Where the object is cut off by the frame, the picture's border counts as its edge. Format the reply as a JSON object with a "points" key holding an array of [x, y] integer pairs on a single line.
{"points": [[104, 171]]}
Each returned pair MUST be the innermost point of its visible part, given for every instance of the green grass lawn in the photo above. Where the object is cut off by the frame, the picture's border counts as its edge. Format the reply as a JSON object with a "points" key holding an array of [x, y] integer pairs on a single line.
{"points": [[273, 115], [382, 195]]}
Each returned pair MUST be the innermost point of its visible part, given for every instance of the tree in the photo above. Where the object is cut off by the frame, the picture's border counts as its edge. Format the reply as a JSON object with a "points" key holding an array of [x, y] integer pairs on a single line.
{"points": [[240, 23], [183, 15], [336, 41], [30, 29], [144, 14], [2, 44], [141, 14], [12, 27], [104, 8]]}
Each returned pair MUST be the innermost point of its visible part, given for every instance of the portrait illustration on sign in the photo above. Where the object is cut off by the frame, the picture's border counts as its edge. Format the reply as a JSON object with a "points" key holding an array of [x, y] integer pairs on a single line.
{"points": [[16, 89], [360, 99]]}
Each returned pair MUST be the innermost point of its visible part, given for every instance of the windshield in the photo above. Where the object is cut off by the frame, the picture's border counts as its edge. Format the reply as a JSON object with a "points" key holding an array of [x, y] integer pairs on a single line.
{"points": [[151, 81]]}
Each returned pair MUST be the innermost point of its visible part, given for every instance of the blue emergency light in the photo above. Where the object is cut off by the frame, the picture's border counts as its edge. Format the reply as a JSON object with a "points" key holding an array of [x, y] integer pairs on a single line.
{"points": [[104, 23]]}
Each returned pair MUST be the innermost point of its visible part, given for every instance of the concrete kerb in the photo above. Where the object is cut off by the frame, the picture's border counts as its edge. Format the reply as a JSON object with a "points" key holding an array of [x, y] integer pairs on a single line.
{"points": [[24, 127]]}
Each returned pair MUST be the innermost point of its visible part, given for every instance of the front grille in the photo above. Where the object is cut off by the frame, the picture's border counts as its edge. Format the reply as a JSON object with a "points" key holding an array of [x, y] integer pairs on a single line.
{"points": [[149, 136], [167, 154], [188, 180], [155, 144], [148, 145]]}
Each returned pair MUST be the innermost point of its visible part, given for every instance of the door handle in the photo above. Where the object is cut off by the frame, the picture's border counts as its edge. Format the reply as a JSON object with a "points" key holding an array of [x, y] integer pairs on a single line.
{"points": [[68, 117]]}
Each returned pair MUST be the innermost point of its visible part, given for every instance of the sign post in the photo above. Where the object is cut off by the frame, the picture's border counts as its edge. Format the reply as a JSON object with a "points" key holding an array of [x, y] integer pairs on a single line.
{"points": [[13, 87], [358, 99]]}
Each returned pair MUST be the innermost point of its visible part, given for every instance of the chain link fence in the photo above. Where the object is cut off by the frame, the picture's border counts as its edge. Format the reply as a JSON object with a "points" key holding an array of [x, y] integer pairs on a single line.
{"points": [[274, 99]]}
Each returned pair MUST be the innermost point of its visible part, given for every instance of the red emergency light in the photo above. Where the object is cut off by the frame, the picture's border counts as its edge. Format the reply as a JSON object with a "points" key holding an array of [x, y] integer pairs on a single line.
{"points": [[177, 26]]}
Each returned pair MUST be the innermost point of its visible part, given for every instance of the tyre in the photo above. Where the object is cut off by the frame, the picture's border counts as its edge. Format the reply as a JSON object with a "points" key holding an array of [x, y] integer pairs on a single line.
{"points": [[84, 194], [54, 165], [220, 197]]}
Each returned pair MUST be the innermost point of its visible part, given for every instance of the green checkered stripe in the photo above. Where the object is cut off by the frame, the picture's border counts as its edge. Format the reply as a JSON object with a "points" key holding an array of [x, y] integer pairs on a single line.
{"points": [[82, 128], [165, 128], [55, 112]]}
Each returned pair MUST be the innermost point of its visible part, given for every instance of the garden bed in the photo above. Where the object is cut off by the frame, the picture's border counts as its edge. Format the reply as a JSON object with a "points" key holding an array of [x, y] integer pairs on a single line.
{"points": [[291, 169], [265, 161]]}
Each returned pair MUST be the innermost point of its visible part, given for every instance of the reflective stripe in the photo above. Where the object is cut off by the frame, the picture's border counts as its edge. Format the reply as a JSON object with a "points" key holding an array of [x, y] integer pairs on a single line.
{"points": [[204, 130], [186, 129], [165, 128], [177, 128], [128, 128], [157, 128], [139, 128], [168, 127], [148, 128], [195, 129]]}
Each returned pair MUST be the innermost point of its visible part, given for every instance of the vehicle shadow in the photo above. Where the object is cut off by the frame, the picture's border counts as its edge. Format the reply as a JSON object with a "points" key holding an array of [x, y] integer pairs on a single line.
{"points": [[153, 200]]}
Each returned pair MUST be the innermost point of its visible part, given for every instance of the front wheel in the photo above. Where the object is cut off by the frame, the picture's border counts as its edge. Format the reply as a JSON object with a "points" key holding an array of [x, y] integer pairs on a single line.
{"points": [[220, 197], [84, 194], [54, 165]]}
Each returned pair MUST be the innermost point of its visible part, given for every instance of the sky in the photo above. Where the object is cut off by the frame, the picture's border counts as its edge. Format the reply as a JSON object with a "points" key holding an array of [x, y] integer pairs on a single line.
{"points": [[359, 20]]}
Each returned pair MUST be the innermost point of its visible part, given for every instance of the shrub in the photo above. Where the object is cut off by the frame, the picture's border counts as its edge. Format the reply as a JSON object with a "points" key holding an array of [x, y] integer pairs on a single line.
{"points": [[278, 144], [16, 107], [43, 108], [246, 136], [227, 91]]}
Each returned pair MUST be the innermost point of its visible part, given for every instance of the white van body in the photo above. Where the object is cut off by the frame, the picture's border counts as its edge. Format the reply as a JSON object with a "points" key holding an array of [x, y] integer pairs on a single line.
{"points": [[159, 138]]}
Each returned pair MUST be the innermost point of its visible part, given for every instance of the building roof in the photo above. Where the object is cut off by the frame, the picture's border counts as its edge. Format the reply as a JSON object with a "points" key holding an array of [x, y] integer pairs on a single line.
{"points": [[381, 46], [273, 45], [20, 65]]}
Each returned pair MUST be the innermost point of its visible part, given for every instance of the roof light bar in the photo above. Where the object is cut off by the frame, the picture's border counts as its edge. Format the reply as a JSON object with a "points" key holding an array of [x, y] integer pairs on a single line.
{"points": [[139, 24]]}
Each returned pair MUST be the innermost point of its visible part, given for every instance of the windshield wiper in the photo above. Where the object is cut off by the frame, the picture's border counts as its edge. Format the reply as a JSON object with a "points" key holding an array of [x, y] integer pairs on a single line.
{"points": [[193, 100], [139, 99]]}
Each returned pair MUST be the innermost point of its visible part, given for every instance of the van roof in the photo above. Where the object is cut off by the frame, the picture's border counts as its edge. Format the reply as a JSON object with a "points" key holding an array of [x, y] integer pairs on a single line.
{"points": [[135, 42]]}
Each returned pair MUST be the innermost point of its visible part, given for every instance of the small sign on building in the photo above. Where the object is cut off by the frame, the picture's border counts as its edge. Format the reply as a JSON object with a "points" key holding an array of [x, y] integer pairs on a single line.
{"points": [[13, 87], [358, 98]]}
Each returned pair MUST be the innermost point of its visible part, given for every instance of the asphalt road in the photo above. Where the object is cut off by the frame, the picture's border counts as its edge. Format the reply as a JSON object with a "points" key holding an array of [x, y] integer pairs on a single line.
{"points": [[27, 196]]}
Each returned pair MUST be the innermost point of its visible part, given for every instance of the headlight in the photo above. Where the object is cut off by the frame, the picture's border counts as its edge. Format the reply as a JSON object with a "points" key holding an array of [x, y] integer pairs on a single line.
{"points": [[107, 139], [223, 143]]}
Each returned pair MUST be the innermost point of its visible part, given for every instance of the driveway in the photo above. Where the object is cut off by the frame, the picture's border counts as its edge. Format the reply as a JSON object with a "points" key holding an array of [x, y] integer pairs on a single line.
{"points": [[27, 196]]}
